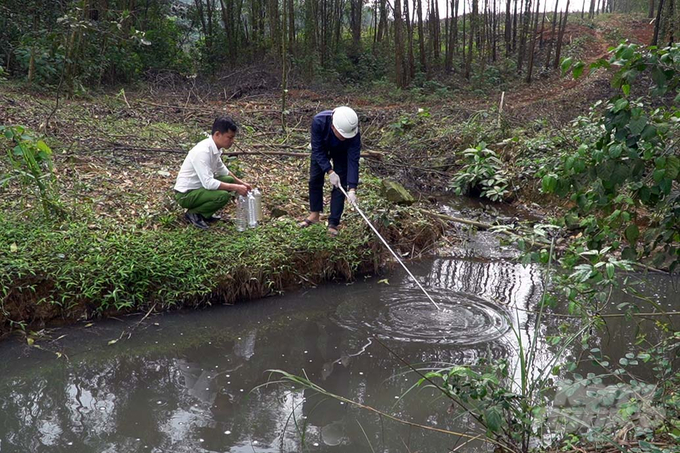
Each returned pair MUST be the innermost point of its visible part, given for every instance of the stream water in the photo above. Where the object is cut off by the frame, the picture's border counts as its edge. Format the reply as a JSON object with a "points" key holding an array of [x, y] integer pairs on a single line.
{"points": [[188, 381]]}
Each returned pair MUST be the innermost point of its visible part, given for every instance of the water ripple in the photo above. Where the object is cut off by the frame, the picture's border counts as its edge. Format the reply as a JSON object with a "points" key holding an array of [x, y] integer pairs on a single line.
{"points": [[405, 314]]}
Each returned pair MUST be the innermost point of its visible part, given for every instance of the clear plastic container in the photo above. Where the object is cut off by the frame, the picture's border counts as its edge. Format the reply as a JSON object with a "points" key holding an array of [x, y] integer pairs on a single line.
{"points": [[252, 210], [241, 218], [258, 204]]}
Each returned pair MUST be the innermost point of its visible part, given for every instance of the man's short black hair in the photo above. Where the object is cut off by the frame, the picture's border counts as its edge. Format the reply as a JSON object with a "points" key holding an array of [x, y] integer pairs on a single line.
{"points": [[224, 124]]}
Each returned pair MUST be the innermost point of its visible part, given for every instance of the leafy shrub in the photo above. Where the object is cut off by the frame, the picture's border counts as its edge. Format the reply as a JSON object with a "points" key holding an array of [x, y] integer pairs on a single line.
{"points": [[628, 159], [30, 162], [482, 174]]}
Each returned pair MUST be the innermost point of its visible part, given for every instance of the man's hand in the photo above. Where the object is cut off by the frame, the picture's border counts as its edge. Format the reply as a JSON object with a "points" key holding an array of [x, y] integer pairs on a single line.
{"points": [[243, 183], [352, 196], [334, 179], [241, 189]]}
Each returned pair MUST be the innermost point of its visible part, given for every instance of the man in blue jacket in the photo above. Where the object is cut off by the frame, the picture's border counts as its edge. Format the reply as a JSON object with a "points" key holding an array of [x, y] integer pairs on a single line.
{"points": [[335, 137]]}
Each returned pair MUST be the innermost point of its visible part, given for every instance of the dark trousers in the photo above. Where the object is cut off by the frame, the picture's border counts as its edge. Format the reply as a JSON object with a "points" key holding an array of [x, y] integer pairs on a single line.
{"points": [[316, 180]]}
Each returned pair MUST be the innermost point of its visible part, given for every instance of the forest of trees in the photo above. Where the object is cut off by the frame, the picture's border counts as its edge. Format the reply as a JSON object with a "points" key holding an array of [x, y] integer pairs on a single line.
{"points": [[90, 42]]}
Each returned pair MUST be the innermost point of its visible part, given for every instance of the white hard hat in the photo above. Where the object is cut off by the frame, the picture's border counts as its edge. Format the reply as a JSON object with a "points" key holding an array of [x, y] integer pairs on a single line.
{"points": [[345, 121]]}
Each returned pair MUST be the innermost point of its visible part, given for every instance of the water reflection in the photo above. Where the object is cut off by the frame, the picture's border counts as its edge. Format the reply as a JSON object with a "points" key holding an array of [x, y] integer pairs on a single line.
{"points": [[186, 385]]}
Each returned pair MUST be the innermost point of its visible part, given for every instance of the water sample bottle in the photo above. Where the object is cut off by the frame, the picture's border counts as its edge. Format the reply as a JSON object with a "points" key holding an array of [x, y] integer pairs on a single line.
{"points": [[252, 210], [241, 219], [258, 204]]}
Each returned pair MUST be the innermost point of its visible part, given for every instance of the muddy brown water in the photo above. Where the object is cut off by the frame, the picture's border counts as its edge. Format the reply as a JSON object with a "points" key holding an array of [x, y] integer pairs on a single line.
{"points": [[188, 381]]}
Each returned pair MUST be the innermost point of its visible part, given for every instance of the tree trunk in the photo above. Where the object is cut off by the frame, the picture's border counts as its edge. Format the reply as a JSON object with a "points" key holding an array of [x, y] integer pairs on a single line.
{"points": [[382, 25], [552, 36], [540, 44], [563, 27], [398, 46], [409, 44], [514, 28], [508, 29], [355, 24], [651, 9], [464, 33], [274, 28], [533, 44], [421, 38], [473, 27], [291, 24], [526, 21]]}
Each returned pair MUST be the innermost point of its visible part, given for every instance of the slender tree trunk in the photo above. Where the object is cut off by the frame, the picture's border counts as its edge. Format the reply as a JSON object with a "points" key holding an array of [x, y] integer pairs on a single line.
{"points": [[591, 11], [651, 9], [583, 9], [508, 29], [514, 28], [284, 69], [473, 27], [409, 31], [552, 36], [421, 38], [657, 23], [274, 29], [563, 27], [399, 46], [291, 24], [382, 25], [436, 41], [464, 33], [526, 21], [672, 25], [355, 24], [540, 44], [533, 43]]}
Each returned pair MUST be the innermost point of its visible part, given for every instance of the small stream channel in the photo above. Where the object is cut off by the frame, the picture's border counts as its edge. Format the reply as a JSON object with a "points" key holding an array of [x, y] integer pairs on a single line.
{"points": [[183, 381]]}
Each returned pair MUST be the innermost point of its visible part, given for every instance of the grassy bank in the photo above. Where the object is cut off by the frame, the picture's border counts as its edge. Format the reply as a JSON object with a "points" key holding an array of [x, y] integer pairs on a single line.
{"points": [[77, 269]]}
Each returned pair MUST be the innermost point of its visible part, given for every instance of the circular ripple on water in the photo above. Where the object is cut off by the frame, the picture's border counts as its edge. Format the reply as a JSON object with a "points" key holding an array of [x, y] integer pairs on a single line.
{"points": [[405, 314]]}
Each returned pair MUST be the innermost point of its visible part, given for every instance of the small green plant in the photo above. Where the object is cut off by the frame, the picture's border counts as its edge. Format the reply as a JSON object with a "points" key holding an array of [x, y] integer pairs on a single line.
{"points": [[482, 174], [30, 161]]}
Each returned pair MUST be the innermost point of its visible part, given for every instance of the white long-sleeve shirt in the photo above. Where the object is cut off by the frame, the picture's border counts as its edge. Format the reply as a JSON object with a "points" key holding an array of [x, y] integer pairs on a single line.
{"points": [[200, 167]]}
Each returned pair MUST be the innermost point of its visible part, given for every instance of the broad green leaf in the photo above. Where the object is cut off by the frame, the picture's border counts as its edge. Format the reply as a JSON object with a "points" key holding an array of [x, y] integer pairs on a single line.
{"points": [[566, 64], [42, 146], [632, 234], [610, 270], [549, 183], [493, 419], [626, 89], [620, 105], [637, 125], [672, 167], [578, 69]]}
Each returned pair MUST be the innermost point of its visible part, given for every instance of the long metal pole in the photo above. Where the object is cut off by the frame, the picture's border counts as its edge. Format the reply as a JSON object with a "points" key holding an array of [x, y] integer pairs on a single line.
{"points": [[389, 248]]}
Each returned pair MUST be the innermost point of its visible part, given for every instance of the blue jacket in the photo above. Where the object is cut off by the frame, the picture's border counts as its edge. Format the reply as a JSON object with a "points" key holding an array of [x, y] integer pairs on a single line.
{"points": [[325, 145]]}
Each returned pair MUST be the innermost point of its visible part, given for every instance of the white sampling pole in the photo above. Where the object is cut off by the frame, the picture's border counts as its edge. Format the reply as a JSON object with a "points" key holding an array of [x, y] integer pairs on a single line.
{"points": [[389, 248]]}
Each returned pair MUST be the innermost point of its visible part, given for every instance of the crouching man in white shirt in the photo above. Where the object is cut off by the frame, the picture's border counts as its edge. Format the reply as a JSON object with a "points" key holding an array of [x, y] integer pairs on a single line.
{"points": [[204, 184]]}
